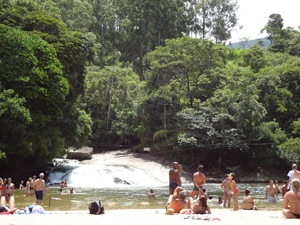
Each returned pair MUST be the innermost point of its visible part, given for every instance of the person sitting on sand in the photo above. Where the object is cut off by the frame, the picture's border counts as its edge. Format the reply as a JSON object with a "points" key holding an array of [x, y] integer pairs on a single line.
{"points": [[177, 200], [21, 187], [234, 190], [9, 194], [271, 191], [284, 188], [291, 202], [173, 178], [219, 201], [201, 207], [226, 188], [199, 181], [151, 194], [248, 202], [6, 209]]}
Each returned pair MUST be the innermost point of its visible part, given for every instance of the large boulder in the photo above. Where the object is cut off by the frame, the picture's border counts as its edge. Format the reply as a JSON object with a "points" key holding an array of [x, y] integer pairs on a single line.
{"points": [[81, 154]]}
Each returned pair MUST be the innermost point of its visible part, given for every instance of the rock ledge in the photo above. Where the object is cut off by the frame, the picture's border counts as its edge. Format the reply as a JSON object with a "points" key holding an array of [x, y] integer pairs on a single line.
{"points": [[81, 154]]}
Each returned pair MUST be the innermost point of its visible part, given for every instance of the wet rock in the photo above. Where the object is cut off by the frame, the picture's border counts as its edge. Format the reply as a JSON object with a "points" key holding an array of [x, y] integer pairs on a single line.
{"points": [[81, 154]]}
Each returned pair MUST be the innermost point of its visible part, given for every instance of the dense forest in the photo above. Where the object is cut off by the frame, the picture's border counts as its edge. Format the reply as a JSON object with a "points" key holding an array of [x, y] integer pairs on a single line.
{"points": [[145, 73]]}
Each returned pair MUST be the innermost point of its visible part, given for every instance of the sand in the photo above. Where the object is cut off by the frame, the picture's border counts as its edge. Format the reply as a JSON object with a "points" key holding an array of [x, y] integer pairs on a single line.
{"points": [[147, 217]]}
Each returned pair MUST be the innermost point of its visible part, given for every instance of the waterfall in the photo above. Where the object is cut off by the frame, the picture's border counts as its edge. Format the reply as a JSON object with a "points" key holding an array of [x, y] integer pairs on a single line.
{"points": [[97, 176]]}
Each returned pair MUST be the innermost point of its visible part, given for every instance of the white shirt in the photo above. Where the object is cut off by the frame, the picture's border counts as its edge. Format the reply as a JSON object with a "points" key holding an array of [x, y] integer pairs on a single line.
{"points": [[291, 174]]}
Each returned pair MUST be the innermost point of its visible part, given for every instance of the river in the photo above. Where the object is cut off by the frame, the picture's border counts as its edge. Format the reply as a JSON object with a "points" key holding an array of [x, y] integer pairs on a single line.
{"points": [[110, 185]]}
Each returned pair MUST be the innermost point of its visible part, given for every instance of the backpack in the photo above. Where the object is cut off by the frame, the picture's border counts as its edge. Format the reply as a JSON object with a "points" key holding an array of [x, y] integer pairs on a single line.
{"points": [[96, 208]]}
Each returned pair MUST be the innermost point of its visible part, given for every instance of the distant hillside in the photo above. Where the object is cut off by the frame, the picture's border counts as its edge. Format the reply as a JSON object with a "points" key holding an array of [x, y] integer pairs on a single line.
{"points": [[250, 43]]}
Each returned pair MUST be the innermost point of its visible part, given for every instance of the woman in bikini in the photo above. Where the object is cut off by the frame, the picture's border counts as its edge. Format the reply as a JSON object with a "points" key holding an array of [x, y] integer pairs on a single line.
{"points": [[201, 207], [31, 185], [227, 195], [9, 194], [28, 187], [248, 202], [234, 190], [3, 189], [291, 202], [21, 187]]}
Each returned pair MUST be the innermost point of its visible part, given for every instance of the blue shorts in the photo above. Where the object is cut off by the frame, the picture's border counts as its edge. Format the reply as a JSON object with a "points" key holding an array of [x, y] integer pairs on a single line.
{"points": [[196, 189], [173, 185], [39, 195]]}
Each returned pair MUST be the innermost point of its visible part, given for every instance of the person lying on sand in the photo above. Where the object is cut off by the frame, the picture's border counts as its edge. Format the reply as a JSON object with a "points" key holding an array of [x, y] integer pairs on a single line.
{"points": [[6, 209], [291, 202], [248, 202], [177, 200], [201, 207]]}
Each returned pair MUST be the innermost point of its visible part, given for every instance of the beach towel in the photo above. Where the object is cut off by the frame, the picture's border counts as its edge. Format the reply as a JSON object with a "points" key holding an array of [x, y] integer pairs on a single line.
{"points": [[38, 209], [202, 217]]}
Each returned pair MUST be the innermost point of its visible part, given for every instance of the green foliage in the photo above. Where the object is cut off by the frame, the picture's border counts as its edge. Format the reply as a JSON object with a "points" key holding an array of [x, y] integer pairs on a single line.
{"points": [[255, 58], [291, 150]]}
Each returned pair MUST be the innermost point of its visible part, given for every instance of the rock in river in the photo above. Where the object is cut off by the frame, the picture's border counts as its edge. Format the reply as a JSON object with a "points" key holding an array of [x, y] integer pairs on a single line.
{"points": [[81, 154]]}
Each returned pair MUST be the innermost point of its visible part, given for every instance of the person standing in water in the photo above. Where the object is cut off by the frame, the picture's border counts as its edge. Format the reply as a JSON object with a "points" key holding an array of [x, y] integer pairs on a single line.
{"points": [[226, 188], [173, 178], [199, 181], [32, 184], [29, 188], [39, 188], [271, 191], [179, 175], [151, 194], [234, 190], [294, 173], [291, 202]]}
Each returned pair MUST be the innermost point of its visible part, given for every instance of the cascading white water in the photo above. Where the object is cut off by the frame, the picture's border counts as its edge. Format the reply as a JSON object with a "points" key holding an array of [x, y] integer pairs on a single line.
{"points": [[97, 176]]}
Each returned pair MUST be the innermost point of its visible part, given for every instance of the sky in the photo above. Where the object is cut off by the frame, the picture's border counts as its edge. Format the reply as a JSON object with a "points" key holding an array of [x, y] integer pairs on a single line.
{"points": [[254, 15]]}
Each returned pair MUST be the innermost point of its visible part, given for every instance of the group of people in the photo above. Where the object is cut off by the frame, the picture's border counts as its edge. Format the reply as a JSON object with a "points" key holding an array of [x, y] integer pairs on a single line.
{"points": [[177, 199]]}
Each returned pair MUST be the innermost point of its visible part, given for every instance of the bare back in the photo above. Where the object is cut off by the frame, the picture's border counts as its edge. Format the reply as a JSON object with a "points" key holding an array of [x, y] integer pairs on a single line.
{"points": [[199, 178], [248, 202], [292, 198], [297, 174], [178, 205], [39, 185], [225, 185], [233, 185]]}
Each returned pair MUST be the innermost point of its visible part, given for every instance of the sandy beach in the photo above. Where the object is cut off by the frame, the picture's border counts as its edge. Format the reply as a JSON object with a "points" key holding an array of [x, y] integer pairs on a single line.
{"points": [[147, 217]]}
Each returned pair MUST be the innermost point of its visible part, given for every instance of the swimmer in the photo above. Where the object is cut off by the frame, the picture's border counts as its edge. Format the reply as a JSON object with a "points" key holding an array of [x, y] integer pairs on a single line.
{"points": [[248, 202], [21, 187], [226, 188], [29, 188], [291, 202], [271, 191], [61, 185], [9, 194], [72, 191], [39, 188], [173, 178], [66, 183], [201, 207], [199, 181], [151, 194], [284, 188], [234, 190], [177, 201]]}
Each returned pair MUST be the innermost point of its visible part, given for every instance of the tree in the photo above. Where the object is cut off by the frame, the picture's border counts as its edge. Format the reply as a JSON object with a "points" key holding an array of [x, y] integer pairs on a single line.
{"points": [[192, 65], [255, 58], [274, 26], [244, 41], [31, 69]]}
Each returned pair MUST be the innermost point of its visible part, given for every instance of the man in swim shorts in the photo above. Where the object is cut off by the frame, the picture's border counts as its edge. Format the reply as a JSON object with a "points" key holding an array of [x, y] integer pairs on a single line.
{"points": [[199, 181], [39, 188], [173, 177], [271, 191]]}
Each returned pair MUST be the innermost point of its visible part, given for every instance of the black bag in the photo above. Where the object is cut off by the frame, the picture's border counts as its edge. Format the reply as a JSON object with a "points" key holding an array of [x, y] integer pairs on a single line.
{"points": [[96, 208]]}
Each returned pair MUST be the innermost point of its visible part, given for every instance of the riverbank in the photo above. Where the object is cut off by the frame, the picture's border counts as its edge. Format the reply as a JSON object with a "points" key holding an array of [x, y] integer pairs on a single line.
{"points": [[159, 168], [148, 217]]}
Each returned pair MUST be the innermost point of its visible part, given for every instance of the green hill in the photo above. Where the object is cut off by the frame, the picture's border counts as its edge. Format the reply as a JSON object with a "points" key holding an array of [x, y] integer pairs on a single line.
{"points": [[250, 43]]}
